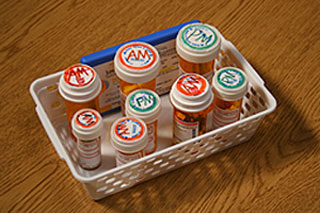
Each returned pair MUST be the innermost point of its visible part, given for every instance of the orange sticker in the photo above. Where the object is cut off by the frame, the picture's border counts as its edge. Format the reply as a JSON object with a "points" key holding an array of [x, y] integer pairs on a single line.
{"points": [[87, 119], [79, 75], [191, 85], [137, 56], [129, 129]]}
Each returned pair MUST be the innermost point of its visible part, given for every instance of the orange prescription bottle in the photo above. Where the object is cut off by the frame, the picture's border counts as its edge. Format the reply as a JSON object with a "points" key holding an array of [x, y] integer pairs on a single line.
{"points": [[146, 105], [87, 127], [192, 99], [80, 87], [198, 45], [229, 85], [136, 64], [129, 138]]}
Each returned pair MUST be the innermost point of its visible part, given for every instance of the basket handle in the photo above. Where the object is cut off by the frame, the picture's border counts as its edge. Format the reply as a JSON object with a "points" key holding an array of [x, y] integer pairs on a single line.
{"points": [[51, 132]]}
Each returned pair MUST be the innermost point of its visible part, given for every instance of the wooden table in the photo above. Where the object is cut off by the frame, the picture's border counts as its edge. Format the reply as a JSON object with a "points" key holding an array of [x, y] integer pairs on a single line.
{"points": [[278, 170]]}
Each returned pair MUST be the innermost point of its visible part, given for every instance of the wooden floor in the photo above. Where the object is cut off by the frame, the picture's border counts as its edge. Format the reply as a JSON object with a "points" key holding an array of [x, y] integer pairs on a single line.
{"points": [[278, 170]]}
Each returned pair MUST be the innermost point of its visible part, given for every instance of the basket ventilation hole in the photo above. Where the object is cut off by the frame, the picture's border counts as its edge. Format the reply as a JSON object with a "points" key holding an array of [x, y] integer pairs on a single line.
{"points": [[243, 139], [173, 156], [134, 177], [150, 160], [229, 144], [102, 189], [155, 172], [201, 155], [255, 105], [110, 180], [179, 159], [171, 166], [164, 164], [124, 185], [247, 107], [109, 191], [118, 173], [210, 147], [148, 170], [253, 91], [126, 174], [117, 183], [157, 162], [186, 161], [214, 150]]}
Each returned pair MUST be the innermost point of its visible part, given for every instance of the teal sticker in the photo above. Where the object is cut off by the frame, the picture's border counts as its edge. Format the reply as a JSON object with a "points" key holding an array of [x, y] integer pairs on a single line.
{"points": [[143, 101], [199, 36], [230, 78]]}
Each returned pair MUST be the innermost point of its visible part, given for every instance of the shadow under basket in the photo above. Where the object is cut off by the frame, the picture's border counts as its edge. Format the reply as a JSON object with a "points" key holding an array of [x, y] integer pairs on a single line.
{"points": [[109, 179]]}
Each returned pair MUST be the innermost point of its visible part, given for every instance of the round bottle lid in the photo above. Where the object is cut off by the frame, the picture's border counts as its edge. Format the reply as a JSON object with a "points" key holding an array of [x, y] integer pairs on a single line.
{"points": [[129, 135], [198, 43], [137, 62], [144, 104], [230, 83], [191, 93], [79, 83], [87, 124]]}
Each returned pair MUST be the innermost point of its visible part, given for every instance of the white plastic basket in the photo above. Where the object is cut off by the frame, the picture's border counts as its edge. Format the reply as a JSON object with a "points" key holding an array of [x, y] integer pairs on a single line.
{"points": [[109, 179]]}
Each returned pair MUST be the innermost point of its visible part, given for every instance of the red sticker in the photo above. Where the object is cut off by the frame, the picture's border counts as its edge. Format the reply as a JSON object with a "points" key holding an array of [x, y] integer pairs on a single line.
{"points": [[137, 56], [191, 85], [87, 119], [129, 129], [79, 75]]}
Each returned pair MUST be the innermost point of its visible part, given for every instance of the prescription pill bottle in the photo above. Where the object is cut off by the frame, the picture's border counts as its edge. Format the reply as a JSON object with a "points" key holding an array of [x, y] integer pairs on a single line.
{"points": [[197, 46], [87, 127], [136, 64], [229, 85], [192, 99], [146, 105], [80, 87], [129, 138]]}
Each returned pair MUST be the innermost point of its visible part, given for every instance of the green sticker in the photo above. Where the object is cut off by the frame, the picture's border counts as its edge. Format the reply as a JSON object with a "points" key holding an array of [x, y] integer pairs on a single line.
{"points": [[199, 36], [230, 78], [143, 101]]}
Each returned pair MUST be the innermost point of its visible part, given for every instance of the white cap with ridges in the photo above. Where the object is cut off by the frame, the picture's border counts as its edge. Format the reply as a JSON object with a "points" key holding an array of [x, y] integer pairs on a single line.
{"points": [[79, 83], [144, 104], [191, 93], [129, 135], [87, 124], [137, 62], [230, 83], [198, 43]]}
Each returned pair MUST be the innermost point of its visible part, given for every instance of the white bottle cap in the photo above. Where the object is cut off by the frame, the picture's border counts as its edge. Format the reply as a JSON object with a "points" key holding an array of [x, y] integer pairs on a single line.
{"points": [[79, 83], [144, 104], [191, 93], [129, 135], [198, 43], [137, 62], [87, 124], [230, 83]]}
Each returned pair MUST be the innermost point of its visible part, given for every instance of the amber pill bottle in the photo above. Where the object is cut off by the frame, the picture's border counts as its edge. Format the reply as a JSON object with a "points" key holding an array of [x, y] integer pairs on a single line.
{"points": [[192, 100], [137, 65], [197, 46], [229, 85], [80, 87]]}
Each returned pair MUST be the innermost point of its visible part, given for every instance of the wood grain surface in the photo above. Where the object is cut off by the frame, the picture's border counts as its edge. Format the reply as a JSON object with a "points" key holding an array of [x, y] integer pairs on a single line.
{"points": [[278, 170]]}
